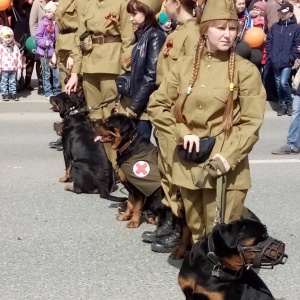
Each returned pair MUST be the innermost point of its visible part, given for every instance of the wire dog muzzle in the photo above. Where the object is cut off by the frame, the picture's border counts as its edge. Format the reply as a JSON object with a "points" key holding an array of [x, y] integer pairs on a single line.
{"points": [[267, 254]]}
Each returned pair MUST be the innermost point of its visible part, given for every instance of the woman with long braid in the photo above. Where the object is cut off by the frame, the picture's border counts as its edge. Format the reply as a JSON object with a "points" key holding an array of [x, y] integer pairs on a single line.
{"points": [[180, 42], [214, 93]]}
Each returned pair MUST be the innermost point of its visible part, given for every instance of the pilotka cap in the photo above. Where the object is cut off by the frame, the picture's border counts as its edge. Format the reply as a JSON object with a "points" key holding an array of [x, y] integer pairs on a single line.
{"points": [[219, 10]]}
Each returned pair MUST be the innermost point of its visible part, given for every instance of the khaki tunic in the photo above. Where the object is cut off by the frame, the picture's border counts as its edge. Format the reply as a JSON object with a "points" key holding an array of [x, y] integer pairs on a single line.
{"points": [[66, 17], [203, 111], [105, 58], [184, 39]]}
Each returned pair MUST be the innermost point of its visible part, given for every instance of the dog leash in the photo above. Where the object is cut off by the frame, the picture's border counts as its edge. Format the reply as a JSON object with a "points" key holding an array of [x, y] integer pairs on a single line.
{"points": [[212, 166]]}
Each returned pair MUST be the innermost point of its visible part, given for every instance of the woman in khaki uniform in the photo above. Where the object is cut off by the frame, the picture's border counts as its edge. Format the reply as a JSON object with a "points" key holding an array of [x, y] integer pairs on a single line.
{"points": [[111, 33], [220, 94], [180, 42], [66, 17]]}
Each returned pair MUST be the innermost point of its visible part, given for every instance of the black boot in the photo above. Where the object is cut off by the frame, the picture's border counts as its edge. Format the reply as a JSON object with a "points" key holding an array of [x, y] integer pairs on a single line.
{"points": [[168, 243], [165, 229]]}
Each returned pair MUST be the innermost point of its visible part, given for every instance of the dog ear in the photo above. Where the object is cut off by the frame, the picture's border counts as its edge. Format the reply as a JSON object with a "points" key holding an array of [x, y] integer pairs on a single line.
{"points": [[230, 233]]}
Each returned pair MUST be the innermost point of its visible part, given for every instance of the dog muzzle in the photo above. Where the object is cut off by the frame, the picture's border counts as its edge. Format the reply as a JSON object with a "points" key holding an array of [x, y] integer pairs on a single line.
{"points": [[267, 254]]}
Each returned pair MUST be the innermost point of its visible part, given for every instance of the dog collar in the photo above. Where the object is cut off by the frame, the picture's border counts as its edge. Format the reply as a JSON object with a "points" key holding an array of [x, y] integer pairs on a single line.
{"points": [[74, 111], [127, 144], [218, 269], [213, 257]]}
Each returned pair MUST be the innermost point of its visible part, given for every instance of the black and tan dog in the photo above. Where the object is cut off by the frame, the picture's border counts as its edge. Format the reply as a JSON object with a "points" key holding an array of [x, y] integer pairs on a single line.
{"points": [[219, 267], [137, 168], [86, 162]]}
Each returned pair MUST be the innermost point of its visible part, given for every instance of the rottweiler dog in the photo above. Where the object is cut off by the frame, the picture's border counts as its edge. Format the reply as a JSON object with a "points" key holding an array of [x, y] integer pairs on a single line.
{"points": [[137, 168], [86, 162], [219, 267]]}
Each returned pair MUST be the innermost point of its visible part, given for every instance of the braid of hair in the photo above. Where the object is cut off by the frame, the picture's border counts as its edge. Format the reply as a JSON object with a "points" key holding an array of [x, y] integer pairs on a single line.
{"points": [[227, 117], [178, 107]]}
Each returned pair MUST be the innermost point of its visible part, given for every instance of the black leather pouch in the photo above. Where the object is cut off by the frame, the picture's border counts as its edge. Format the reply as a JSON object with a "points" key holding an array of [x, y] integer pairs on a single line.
{"points": [[85, 42], [123, 84], [206, 146]]}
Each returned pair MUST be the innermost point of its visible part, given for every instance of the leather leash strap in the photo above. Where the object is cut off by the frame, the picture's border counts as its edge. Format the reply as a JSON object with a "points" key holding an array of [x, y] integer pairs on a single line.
{"points": [[212, 166], [106, 39]]}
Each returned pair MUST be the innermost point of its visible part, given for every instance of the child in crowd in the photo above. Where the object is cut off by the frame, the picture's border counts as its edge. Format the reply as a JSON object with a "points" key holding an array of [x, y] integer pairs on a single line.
{"points": [[282, 44], [258, 14], [243, 15], [258, 17], [165, 22], [10, 64], [45, 39]]}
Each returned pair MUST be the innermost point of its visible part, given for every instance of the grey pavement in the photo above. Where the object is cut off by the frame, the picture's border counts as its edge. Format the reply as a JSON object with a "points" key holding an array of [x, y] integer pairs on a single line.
{"points": [[63, 246]]}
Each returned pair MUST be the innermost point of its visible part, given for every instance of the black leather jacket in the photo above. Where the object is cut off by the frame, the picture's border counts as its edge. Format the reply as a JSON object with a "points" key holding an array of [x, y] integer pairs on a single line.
{"points": [[144, 56]]}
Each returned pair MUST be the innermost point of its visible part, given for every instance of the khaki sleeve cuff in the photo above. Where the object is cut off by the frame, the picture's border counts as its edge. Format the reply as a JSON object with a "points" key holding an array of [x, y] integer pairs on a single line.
{"points": [[181, 130]]}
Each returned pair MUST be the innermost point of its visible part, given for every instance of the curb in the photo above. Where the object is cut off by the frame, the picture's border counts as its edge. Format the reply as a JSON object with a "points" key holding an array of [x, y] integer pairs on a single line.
{"points": [[28, 102]]}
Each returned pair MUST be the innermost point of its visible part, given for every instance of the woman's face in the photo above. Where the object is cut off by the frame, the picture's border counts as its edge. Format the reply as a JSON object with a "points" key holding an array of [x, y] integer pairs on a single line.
{"points": [[240, 6], [220, 38], [137, 18], [171, 7], [29, 1]]}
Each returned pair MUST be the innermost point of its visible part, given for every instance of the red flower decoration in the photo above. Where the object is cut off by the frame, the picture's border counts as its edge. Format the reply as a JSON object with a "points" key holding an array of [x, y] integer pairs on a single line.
{"points": [[50, 28]]}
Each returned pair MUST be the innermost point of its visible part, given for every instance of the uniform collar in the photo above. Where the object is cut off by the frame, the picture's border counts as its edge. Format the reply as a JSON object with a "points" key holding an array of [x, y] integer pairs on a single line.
{"points": [[215, 56], [185, 23]]}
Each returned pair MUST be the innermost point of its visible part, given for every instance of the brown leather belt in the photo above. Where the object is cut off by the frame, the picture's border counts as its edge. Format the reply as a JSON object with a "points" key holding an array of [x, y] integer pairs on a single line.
{"points": [[106, 39], [67, 31]]}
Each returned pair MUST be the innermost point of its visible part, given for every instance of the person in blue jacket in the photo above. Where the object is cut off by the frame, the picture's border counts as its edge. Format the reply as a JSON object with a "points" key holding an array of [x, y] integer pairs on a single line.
{"points": [[283, 40]]}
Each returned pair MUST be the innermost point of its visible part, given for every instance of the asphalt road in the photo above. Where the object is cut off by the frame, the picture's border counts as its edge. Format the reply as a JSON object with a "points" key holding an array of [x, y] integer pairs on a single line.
{"points": [[63, 246]]}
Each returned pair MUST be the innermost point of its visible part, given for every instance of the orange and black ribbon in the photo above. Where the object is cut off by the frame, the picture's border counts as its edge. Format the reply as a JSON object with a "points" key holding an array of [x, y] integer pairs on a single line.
{"points": [[168, 47], [111, 18]]}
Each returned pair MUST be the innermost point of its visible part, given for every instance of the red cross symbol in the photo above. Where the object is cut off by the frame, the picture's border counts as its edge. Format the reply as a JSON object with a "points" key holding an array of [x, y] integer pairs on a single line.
{"points": [[141, 169]]}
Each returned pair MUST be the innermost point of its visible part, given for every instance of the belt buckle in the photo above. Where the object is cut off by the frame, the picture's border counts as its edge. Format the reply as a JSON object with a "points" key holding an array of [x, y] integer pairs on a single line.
{"points": [[101, 41]]}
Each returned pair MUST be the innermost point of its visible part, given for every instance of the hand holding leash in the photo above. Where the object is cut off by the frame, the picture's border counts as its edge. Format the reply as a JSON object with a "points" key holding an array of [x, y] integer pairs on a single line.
{"points": [[223, 167], [217, 166]]}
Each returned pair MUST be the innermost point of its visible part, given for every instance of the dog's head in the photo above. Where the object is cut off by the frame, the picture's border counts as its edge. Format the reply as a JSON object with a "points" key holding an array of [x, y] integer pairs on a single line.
{"points": [[246, 243], [65, 104], [117, 130]]}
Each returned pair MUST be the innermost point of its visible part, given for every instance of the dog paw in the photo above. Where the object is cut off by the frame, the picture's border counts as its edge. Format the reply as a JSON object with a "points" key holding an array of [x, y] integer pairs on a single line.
{"points": [[152, 221], [122, 217], [179, 252], [133, 224], [63, 179], [69, 188]]}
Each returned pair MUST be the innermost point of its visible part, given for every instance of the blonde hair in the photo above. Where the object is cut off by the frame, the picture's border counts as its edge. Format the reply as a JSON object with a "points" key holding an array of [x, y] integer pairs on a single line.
{"points": [[178, 107]]}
